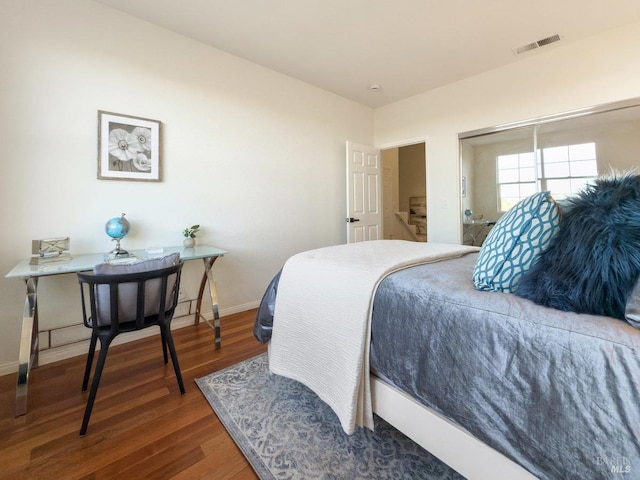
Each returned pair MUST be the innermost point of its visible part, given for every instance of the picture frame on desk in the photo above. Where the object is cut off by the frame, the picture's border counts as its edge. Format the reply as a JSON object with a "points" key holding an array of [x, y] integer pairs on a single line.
{"points": [[128, 147], [50, 250]]}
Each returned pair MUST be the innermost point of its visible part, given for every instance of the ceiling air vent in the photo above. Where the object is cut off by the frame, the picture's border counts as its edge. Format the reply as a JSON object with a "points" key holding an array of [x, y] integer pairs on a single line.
{"points": [[538, 44]]}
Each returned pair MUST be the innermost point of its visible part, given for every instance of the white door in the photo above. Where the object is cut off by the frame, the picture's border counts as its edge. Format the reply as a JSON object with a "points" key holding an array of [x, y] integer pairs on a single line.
{"points": [[364, 205]]}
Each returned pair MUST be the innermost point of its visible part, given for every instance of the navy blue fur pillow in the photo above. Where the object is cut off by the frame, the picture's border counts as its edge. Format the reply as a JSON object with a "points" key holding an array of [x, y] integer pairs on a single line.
{"points": [[593, 262]]}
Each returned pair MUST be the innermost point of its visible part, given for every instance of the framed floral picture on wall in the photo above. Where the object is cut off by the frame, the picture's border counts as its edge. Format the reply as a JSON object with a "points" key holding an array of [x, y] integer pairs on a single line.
{"points": [[128, 147]]}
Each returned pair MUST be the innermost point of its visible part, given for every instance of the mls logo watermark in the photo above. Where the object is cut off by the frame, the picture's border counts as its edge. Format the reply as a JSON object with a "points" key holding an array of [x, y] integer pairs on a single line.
{"points": [[615, 464]]}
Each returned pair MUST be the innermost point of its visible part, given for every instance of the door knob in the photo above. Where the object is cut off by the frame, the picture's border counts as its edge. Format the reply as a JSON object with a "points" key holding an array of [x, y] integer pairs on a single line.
{"points": [[351, 219]]}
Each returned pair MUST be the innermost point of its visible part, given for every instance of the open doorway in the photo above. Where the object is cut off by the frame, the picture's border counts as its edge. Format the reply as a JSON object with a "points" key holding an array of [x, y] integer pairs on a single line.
{"points": [[404, 193]]}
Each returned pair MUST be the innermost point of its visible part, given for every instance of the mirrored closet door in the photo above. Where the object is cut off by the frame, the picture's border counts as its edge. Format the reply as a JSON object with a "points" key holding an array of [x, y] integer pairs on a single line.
{"points": [[560, 153]]}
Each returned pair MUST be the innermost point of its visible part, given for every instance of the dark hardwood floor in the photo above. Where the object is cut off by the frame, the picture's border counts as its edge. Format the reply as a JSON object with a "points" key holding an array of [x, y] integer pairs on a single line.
{"points": [[141, 427]]}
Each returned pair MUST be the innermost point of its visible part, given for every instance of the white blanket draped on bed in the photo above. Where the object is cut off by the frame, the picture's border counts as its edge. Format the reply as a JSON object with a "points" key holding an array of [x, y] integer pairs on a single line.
{"points": [[322, 318]]}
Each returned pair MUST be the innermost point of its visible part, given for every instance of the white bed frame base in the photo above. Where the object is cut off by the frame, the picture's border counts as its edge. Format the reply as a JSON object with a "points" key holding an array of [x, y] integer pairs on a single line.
{"points": [[453, 445]]}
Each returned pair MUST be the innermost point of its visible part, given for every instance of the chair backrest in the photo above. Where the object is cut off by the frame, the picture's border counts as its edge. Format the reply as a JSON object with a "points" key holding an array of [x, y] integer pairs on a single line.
{"points": [[123, 293]]}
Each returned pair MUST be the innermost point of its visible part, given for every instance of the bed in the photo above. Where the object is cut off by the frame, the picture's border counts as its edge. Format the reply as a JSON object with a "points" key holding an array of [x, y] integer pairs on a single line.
{"points": [[494, 384], [555, 392]]}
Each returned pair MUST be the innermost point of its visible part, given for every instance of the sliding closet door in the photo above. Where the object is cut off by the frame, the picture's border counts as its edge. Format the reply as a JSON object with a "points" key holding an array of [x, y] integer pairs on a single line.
{"points": [[574, 151], [498, 171], [560, 153]]}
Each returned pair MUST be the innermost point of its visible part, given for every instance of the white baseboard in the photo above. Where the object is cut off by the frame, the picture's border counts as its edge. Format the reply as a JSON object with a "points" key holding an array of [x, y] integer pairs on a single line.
{"points": [[239, 308], [9, 368], [80, 348]]}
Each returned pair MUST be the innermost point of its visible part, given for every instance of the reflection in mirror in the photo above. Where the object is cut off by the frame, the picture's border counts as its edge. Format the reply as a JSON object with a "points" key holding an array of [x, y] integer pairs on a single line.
{"points": [[501, 166]]}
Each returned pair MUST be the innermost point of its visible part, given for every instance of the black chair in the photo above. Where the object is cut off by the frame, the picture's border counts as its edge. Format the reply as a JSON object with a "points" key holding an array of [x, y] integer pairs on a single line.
{"points": [[125, 302]]}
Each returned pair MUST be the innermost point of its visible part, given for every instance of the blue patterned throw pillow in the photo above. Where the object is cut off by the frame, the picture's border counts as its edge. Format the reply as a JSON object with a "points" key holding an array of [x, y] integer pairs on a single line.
{"points": [[517, 239]]}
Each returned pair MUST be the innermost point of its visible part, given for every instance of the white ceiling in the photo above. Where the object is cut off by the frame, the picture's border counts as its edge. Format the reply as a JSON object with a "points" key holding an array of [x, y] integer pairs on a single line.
{"points": [[405, 46]]}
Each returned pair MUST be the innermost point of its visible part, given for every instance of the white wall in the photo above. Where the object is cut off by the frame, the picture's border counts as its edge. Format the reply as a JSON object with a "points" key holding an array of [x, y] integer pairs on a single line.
{"points": [[554, 79], [255, 157], [412, 174], [391, 223]]}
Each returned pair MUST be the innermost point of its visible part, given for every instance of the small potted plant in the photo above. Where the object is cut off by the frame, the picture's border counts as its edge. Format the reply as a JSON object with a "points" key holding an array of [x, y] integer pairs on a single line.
{"points": [[190, 236]]}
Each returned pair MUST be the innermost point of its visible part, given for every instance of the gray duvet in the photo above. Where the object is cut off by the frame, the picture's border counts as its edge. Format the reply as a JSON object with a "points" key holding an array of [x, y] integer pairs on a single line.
{"points": [[557, 392]]}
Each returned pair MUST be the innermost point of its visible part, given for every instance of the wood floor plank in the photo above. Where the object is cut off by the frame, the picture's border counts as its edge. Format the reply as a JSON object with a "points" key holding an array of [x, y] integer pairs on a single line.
{"points": [[141, 426]]}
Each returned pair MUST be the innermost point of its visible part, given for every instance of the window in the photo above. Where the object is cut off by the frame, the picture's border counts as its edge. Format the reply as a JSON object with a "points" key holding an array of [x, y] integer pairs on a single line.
{"points": [[516, 178], [563, 170]]}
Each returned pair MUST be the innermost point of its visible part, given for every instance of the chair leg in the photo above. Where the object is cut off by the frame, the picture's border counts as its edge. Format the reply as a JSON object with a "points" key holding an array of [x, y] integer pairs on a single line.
{"points": [[104, 348], [174, 356], [87, 368], [164, 345]]}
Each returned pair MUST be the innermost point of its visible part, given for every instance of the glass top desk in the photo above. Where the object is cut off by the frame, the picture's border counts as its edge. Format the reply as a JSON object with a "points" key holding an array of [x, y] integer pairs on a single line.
{"points": [[28, 357]]}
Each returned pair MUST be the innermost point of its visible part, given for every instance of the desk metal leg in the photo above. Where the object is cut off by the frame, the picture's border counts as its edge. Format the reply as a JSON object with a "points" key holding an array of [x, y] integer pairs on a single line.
{"points": [[28, 345], [208, 276]]}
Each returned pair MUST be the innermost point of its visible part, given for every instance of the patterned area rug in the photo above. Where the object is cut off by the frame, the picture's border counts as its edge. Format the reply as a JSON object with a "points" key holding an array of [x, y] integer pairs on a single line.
{"points": [[287, 432]]}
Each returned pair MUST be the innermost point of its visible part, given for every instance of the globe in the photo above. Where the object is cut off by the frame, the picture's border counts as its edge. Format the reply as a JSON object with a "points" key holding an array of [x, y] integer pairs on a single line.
{"points": [[117, 228]]}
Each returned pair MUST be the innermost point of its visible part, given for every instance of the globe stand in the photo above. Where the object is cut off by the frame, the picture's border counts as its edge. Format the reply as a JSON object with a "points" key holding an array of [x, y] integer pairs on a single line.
{"points": [[118, 252]]}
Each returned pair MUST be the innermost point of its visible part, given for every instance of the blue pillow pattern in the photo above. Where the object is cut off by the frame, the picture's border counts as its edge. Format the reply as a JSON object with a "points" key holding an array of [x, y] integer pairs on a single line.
{"points": [[515, 242], [593, 263]]}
